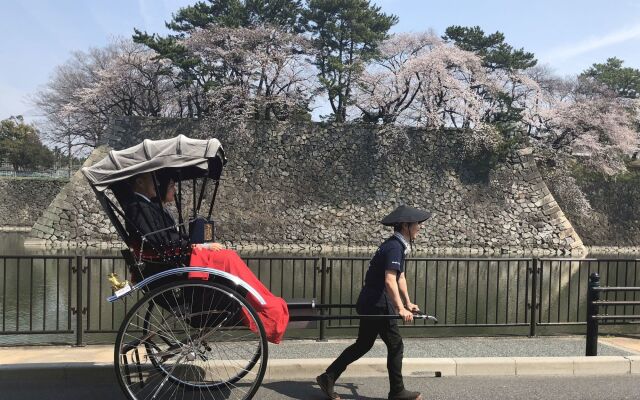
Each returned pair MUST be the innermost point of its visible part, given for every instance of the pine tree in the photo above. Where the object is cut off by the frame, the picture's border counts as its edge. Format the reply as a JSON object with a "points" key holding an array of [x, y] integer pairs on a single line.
{"points": [[346, 35]]}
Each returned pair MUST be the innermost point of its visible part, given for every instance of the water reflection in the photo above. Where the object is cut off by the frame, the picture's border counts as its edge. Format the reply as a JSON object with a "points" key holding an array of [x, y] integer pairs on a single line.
{"points": [[12, 243]]}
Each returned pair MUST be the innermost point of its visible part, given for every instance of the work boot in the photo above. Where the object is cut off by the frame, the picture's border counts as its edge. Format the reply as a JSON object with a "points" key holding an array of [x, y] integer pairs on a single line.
{"points": [[405, 395], [326, 385]]}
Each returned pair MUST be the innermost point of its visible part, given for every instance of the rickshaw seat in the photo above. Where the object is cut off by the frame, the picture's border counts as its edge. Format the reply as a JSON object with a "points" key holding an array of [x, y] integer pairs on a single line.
{"points": [[149, 268]]}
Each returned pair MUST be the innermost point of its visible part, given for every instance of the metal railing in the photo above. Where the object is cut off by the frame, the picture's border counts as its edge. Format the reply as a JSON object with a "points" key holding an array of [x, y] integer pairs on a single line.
{"points": [[462, 292], [563, 286], [594, 302], [36, 296], [62, 298]]}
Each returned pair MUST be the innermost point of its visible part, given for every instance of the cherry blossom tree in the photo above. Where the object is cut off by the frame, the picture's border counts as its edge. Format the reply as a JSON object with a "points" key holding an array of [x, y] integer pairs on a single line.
{"points": [[447, 97], [133, 82], [194, 78], [387, 88], [420, 80], [122, 79], [263, 72], [577, 119]]}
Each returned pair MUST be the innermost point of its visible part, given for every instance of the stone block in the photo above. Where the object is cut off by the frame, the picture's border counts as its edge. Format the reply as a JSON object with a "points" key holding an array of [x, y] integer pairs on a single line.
{"points": [[550, 210], [532, 176], [566, 233], [577, 245], [525, 152]]}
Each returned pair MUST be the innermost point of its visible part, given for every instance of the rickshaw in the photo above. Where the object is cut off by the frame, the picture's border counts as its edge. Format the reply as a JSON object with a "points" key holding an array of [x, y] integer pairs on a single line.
{"points": [[183, 338]]}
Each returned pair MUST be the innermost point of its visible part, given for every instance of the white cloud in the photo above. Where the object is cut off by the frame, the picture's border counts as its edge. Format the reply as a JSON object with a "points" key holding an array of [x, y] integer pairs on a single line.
{"points": [[568, 51]]}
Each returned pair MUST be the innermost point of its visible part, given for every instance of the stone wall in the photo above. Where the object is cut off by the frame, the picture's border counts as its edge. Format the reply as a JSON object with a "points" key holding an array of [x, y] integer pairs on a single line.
{"points": [[604, 210], [23, 200], [313, 186]]}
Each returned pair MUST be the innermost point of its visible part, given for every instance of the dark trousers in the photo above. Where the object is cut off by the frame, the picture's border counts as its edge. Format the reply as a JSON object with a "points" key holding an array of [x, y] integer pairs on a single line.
{"points": [[367, 334]]}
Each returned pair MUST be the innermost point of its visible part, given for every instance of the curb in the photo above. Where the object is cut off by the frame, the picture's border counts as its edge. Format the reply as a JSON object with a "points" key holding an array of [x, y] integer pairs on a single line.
{"points": [[303, 369], [479, 366]]}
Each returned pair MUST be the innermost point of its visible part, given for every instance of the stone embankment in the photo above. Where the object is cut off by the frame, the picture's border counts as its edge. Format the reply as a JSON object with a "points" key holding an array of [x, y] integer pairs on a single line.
{"points": [[319, 187], [23, 200]]}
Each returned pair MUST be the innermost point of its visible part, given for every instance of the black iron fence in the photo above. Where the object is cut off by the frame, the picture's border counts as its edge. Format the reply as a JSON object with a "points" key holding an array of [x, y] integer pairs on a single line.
{"points": [[600, 297], [61, 299]]}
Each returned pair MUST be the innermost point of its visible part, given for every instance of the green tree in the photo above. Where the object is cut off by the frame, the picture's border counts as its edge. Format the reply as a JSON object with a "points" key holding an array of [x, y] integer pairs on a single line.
{"points": [[21, 147], [624, 81], [496, 55], [346, 35], [284, 14], [194, 77]]}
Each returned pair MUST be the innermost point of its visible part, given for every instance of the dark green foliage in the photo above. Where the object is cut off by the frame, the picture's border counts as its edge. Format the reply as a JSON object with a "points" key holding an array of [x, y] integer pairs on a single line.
{"points": [[624, 81], [235, 13], [192, 73], [21, 147], [495, 53], [199, 15], [346, 35]]}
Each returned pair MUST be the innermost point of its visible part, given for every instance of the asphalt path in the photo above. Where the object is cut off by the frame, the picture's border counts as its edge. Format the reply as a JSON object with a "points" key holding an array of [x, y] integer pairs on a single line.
{"points": [[459, 388], [469, 388]]}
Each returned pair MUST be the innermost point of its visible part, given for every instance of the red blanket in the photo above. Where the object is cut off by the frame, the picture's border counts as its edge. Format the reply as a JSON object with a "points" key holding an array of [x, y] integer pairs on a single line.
{"points": [[274, 315]]}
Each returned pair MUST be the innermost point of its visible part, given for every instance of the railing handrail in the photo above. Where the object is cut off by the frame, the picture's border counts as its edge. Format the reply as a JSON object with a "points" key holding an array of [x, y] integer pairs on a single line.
{"points": [[616, 289], [36, 256]]}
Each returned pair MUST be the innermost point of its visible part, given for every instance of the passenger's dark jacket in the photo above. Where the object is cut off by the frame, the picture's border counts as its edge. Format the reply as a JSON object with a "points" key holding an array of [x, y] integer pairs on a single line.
{"points": [[144, 216]]}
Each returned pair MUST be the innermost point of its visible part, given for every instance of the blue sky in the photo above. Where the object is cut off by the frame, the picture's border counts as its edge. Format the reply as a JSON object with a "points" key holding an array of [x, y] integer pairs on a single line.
{"points": [[568, 35]]}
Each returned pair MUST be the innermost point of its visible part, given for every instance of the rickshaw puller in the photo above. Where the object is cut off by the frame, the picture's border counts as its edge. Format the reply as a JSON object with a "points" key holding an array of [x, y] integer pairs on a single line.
{"points": [[384, 293]]}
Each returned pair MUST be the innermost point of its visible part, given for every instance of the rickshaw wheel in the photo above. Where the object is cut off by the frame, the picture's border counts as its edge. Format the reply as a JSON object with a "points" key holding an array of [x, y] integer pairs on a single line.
{"points": [[191, 339]]}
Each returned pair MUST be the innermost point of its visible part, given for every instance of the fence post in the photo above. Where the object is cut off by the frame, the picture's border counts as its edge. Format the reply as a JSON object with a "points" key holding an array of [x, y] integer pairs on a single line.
{"points": [[79, 302], [592, 310], [534, 297], [323, 286]]}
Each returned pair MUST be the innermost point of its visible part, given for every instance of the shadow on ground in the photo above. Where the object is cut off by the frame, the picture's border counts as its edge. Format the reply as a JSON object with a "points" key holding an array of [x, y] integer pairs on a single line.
{"points": [[311, 391]]}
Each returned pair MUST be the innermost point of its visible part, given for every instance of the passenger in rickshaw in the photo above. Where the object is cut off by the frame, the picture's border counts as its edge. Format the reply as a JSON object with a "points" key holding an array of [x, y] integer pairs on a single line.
{"points": [[145, 214]]}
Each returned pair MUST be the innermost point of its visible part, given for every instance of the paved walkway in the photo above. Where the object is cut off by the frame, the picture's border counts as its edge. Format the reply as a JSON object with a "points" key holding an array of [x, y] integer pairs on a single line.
{"points": [[464, 347], [304, 359]]}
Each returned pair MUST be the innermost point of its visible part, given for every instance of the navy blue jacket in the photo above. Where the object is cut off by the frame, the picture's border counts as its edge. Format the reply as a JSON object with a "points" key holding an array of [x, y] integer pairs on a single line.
{"points": [[373, 299]]}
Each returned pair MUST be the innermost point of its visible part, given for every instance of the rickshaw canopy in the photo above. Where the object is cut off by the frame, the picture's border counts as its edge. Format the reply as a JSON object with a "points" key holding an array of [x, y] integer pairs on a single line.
{"points": [[193, 157]]}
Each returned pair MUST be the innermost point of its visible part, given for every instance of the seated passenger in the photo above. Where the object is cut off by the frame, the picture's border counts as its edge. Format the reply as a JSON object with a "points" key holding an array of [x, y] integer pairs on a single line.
{"points": [[147, 215]]}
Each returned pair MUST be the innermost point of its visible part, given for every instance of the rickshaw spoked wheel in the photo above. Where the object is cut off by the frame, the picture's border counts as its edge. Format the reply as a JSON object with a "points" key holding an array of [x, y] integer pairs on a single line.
{"points": [[191, 339]]}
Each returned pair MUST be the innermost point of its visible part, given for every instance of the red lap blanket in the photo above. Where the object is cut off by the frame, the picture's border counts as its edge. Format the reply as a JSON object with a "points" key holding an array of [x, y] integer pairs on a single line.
{"points": [[274, 314]]}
